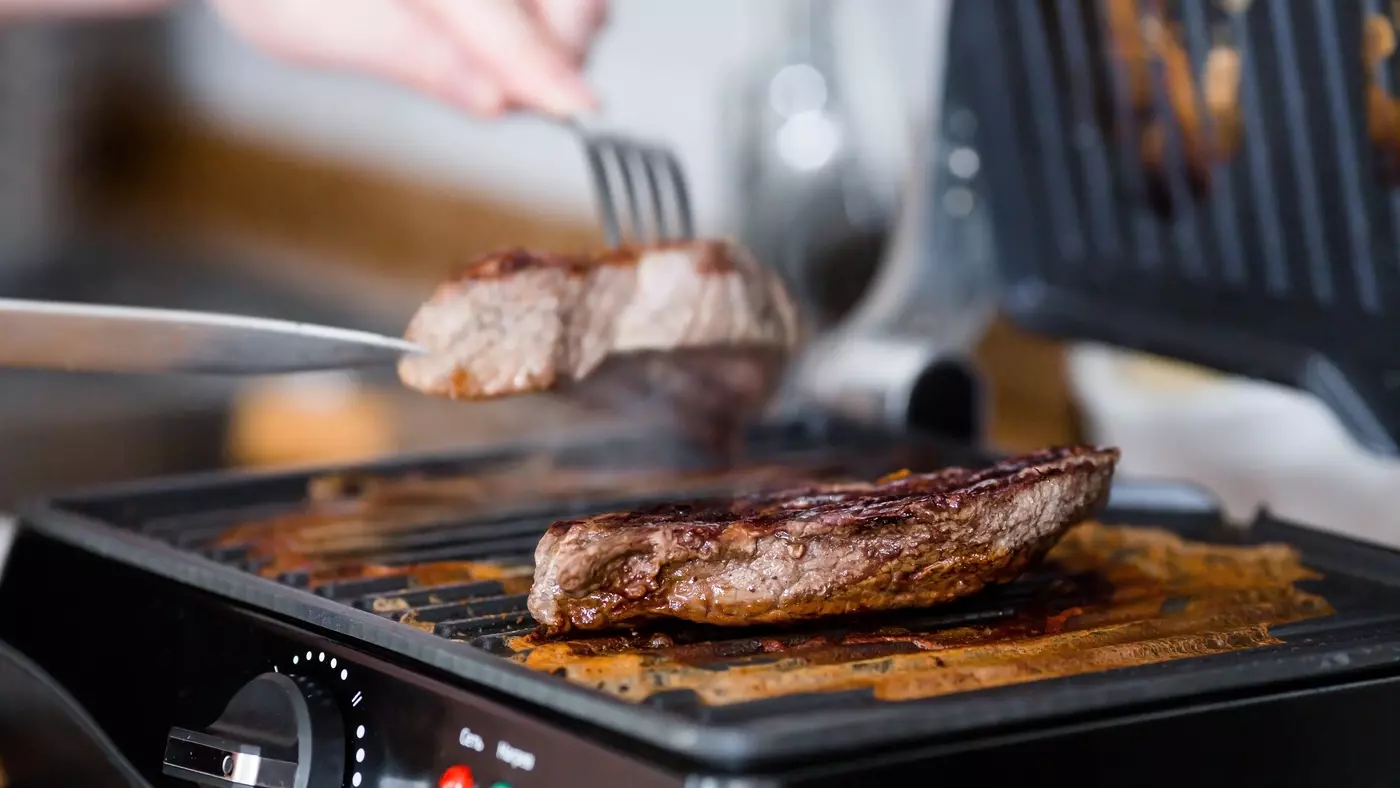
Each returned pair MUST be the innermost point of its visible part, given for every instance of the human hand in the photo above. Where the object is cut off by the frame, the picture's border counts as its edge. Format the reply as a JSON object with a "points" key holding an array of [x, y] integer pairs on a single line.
{"points": [[486, 56]]}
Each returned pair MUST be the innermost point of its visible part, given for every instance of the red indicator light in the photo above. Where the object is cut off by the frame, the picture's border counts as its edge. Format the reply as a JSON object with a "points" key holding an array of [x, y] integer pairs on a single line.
{"points": [[457, 777]]}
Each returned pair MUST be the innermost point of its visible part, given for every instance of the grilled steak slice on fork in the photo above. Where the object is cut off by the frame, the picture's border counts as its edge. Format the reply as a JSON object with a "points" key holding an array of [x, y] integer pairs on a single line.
{"points": [[697, 327]]}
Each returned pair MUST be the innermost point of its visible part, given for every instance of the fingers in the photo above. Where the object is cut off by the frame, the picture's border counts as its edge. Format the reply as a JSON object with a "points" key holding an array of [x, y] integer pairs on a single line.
{"points": [[507, 45], [483, 55], [476, 93], [572, 23], [384, 38]]}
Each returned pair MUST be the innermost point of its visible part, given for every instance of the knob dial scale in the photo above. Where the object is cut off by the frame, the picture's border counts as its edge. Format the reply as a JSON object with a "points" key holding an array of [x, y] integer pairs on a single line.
{"points": [[277, 731]]}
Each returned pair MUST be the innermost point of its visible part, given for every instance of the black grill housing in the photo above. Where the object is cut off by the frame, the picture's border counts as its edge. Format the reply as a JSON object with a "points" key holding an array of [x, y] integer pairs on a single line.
{"points": [[158, 528], [1287, 268]]}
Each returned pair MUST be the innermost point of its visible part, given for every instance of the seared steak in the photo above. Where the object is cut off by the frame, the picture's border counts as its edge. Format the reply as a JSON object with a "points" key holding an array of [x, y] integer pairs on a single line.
{"points": [[669, 322], [906, 540]]}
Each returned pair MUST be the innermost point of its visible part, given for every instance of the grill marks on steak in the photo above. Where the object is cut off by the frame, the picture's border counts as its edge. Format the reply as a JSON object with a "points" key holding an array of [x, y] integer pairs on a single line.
{"points": [[904, 541], [697, 326]]}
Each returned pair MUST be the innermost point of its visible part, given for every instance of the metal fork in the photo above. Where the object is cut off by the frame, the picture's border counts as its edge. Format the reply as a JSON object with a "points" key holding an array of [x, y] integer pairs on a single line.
{"points": [[615, 163]]}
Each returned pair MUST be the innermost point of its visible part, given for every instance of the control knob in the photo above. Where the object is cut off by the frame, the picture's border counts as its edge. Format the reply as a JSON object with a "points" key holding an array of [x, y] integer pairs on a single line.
{"points": [[278, 731]]}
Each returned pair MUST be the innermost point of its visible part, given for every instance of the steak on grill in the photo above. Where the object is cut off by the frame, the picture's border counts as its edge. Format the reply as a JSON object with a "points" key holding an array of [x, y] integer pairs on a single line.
{"points": [[697, 327], [907, 540]]}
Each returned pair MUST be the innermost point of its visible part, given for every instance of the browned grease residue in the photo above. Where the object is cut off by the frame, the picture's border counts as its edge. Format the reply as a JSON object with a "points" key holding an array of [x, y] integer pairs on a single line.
{"points": [[515, 579], [1125, 596], [352, 521]]}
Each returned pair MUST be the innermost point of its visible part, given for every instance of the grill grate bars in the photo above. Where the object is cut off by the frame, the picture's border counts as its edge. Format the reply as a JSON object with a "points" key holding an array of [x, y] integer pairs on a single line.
{"points": [[1097, 175], [1260, 171], [427, 561], [1306, 122], [1215, 180]]}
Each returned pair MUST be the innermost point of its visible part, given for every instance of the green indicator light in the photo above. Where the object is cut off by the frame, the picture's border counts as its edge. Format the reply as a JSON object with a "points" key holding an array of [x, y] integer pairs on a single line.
{"points": [[500, 785]]}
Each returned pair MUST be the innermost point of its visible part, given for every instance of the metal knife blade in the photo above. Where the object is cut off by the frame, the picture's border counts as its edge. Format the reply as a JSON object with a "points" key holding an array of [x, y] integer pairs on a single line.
{"points": [[100, 338]]}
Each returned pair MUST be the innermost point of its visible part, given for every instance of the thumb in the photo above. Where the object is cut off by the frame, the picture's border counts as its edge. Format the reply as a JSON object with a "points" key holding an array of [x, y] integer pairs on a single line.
{"points": [[573, 23], [505, 41]]}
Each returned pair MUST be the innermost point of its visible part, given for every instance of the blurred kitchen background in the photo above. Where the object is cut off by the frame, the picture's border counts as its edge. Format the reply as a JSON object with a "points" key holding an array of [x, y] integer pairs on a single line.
{"points": [[160, 161]]}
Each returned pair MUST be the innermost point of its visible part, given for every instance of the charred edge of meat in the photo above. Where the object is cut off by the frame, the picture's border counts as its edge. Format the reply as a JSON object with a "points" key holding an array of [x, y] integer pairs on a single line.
{"points": [[513, 261], [714, 258], [517, 322], [944, 489]]}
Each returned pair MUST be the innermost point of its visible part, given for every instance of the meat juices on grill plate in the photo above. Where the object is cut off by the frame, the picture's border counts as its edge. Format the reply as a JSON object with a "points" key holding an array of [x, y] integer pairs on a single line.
{"points": [[905, 541], [696, 330]]}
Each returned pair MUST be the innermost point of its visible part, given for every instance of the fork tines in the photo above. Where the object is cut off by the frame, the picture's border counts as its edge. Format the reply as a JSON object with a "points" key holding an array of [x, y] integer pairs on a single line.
{"points": [[632, 166]]}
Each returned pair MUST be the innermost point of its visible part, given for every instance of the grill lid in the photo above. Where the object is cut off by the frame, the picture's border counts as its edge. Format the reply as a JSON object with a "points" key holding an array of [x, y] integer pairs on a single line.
{"points": [[1212, 181]]}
